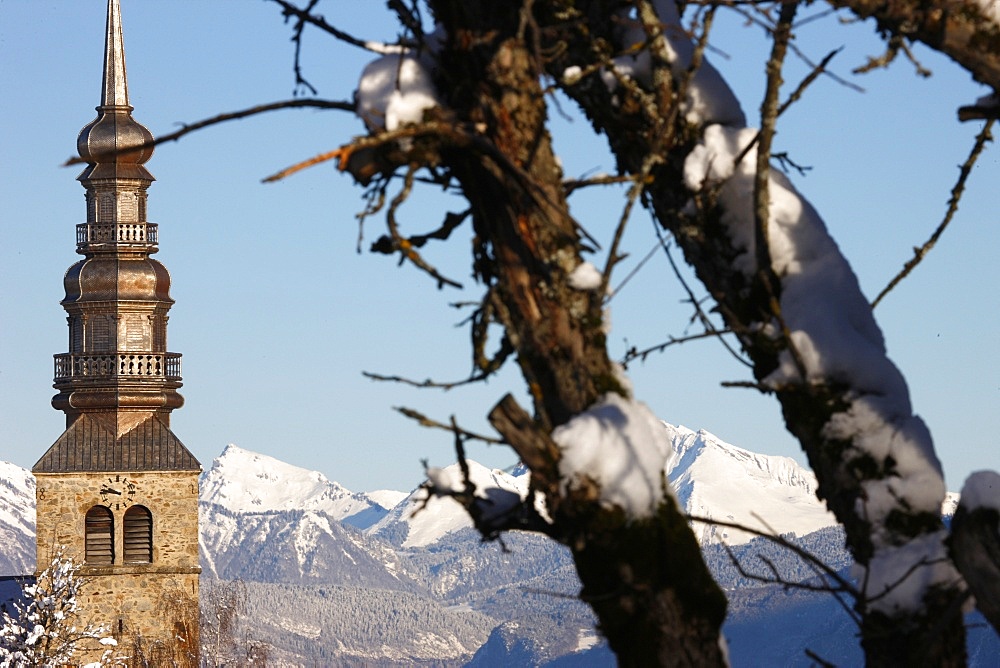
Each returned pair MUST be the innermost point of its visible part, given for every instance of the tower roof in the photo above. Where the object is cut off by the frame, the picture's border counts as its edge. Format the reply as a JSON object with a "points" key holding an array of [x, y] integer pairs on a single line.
{"points": [[89, 445], [114, 85], [114, 144]]}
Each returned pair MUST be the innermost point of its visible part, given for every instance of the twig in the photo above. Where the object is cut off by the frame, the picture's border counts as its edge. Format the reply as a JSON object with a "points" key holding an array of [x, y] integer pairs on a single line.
{"points": [[187, 128], [818, 659], [425, 421], [699, 312], [635, 270], [569, 185], [792, 99], [428, 383], [641, 355], [304, 16], [338, 154], [956, 195], [403, 245], [795, 49], [297, 39], [807, 556]]}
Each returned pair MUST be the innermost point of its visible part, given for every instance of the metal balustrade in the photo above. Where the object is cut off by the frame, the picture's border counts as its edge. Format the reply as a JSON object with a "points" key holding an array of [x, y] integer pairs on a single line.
{"points": [[131, 364], [116, 233]]}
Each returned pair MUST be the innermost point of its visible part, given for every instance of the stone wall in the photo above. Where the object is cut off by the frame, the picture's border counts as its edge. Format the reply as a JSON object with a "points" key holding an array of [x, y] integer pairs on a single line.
{"points": [[146, 606]]}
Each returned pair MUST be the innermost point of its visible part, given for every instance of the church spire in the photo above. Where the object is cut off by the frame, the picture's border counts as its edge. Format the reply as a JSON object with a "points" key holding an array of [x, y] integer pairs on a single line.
{"points": [[117, 384], [117, 492], [114, 144], [114, 87]]}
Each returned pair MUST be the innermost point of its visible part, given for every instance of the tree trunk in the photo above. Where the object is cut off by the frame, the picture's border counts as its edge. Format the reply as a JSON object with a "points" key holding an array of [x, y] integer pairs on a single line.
{"points": [[648, 136], [654, 597]]}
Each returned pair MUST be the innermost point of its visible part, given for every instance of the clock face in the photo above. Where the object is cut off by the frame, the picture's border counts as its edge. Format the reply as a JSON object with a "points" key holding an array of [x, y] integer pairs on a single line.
{"points": [[118, 492]]}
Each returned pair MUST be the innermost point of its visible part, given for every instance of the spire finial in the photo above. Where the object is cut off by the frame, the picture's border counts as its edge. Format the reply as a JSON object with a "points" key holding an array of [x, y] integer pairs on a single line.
{"points": [[114, 92], [114, 144]]}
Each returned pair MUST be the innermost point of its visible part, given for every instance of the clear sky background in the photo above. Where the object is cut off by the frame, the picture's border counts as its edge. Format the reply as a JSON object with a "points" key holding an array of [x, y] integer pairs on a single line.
{"points": [[277, 314]]}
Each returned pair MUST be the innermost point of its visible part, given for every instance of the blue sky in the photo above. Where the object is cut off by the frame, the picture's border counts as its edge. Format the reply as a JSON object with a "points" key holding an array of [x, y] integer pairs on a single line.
{"points": [[277, 315]]}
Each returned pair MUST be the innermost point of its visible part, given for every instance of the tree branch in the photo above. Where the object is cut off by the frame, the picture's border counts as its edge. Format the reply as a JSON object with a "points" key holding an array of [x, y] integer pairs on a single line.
{"points": [[223, 118], [956, 195]]}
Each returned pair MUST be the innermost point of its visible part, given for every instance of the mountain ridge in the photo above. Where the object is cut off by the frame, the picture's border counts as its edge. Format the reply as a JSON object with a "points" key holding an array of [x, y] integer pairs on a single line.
{"points": [[334, 576]]}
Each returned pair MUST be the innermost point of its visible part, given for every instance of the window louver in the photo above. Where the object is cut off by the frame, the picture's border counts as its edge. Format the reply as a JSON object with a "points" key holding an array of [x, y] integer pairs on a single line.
{"points": [[138, 529], [100, 532]]}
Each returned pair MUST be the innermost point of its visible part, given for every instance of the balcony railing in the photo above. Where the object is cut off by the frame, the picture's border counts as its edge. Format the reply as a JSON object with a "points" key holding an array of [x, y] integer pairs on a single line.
{"points": [[116, 233], [133, 365]]}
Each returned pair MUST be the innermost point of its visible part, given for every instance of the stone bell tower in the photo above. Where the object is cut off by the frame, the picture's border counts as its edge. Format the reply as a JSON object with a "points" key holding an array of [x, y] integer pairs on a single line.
{"points": [[118, 492]]}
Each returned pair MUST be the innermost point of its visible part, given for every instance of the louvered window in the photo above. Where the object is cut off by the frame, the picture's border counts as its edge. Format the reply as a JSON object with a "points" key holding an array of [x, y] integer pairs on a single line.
{"points": [[138, 526], [76, 334], [100, 536], [100, 334]]}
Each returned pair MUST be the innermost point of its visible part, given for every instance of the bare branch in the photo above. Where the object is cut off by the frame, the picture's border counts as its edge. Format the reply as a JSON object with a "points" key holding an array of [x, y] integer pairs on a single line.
{"points": [[401, 244], [699, 312], [633, 354], [535, 448], [425, 421], [188, 128], [956, 195], [766, 277], [843, 584], [428, 383], [304, 16]]}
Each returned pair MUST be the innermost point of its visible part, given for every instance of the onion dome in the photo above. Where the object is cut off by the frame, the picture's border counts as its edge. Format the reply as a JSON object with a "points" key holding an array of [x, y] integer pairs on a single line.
{"points": [[114, 144], [109, 279]]}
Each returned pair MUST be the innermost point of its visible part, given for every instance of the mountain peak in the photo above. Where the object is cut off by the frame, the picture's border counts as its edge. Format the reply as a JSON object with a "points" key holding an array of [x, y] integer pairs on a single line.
{"points": [[243, 481], [714, 479]]}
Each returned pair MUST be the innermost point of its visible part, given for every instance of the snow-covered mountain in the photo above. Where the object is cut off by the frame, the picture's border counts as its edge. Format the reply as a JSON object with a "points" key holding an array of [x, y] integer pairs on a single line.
{"points": [[268, 521], [247, 482], [17, 520], [711, 478], [716, 480], [334, 577]]}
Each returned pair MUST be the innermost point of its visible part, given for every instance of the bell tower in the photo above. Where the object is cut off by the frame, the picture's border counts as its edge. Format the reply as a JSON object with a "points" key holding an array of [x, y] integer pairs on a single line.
{"points": [[118, 492]]}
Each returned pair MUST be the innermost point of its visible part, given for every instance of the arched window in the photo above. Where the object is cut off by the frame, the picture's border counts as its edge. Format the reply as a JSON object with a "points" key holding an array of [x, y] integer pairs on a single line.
{"points": [[99, 530], [138, 529]]}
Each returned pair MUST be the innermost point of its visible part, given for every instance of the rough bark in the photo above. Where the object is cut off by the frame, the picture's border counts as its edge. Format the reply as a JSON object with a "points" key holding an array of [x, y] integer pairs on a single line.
{"points": [[975, 547], [959, 29], [646, 580], [636, 125]]}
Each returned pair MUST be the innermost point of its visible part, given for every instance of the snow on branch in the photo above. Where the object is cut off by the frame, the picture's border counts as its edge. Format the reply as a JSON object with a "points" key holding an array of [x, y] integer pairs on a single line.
{"points": [[395, 90], [619, 446], [42, 630], [827, 337], [975, 541]]}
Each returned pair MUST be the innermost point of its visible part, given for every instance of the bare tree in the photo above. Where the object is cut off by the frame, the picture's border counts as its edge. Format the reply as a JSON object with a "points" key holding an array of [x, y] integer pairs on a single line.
{"points": [[43, 629], [467, 107], [225, 642]]}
